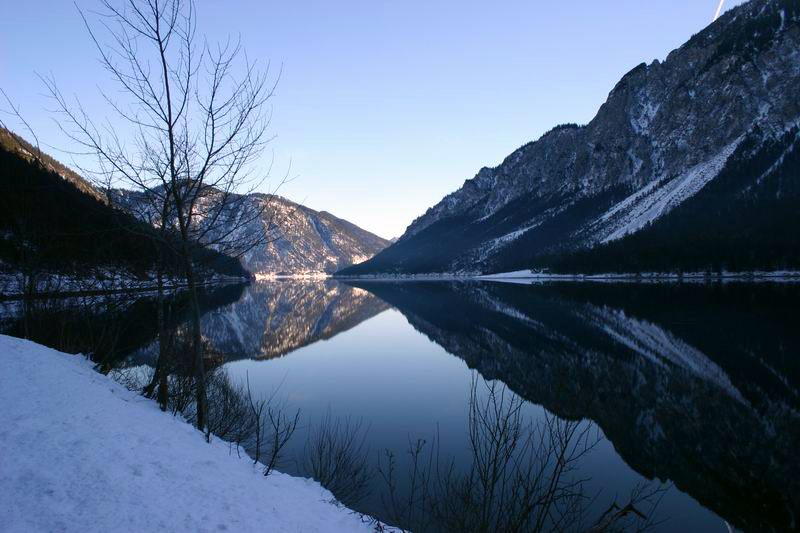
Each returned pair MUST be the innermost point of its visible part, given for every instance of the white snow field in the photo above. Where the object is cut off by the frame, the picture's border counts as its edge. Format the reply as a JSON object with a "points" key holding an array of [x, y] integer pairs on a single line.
{"points": [[79, 452], [656, 200]]}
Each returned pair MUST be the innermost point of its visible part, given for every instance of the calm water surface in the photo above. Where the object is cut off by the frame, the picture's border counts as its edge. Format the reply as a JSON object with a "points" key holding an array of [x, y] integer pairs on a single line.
{"points": [[693, 386]]}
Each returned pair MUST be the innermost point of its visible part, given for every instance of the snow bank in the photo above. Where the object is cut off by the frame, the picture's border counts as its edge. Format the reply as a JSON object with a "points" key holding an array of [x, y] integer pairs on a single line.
{"points": [[81, 453], [533, 276], [526, 274]]}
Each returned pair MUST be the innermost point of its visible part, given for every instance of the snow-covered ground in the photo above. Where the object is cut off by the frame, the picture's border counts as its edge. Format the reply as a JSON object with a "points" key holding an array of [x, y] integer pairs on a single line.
{"points": [[532, 276], [536, 276], [79, 452]]}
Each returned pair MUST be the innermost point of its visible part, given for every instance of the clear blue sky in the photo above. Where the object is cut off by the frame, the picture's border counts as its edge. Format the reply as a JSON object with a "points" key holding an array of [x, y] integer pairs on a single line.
{"points": [[384, 106]]}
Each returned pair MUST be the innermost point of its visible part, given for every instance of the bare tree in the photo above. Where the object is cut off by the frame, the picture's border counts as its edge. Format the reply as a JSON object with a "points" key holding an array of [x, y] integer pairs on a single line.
{"points": [[257, 409], [14, 111], [416, 506], [198, 118], [270, 428], [282, 428], [335, 456], [229, 412]]}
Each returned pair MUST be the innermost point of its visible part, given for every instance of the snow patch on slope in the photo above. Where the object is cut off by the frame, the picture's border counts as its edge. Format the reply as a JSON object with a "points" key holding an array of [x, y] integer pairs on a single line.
{"points": [[640, 122], [492, 245], [658, 198], [777, 164], [503, 240]]}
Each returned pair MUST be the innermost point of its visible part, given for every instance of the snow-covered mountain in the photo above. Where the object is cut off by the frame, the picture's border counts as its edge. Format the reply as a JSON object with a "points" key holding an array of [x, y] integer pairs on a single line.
{"points": [[687, 163], [297, 240], [311, 241]]}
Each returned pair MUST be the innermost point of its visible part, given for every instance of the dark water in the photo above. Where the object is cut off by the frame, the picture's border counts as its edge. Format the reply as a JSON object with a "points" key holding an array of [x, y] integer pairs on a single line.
{"points": [[696, 387]]}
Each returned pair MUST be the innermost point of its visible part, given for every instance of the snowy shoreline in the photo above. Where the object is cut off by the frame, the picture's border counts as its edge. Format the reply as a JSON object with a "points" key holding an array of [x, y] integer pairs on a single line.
{"points": [[530, 276], [779, 276], [56, 286], [83, 453]]}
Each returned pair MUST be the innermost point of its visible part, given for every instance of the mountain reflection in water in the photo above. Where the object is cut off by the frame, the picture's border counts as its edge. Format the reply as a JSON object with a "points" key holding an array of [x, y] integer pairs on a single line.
{"points": [[693, 384], [696, 385]]}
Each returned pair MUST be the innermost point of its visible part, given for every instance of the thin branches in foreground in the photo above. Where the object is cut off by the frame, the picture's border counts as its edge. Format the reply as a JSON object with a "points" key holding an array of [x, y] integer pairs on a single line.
{"points": [[523, 476], [335, 455]]}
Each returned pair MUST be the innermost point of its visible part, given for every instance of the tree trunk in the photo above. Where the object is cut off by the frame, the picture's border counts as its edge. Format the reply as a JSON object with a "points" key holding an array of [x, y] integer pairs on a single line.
{"points": [[197, 340], [163, 347], [162, 396], [161, 372]]}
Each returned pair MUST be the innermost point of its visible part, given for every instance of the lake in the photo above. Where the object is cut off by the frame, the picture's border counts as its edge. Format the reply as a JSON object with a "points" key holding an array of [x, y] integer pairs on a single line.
{"points": [[682, 399]]}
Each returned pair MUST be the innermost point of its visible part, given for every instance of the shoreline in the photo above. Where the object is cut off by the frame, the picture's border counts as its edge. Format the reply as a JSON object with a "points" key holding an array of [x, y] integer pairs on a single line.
{"points": [[789, 276], [145, 288], [521, 276]]}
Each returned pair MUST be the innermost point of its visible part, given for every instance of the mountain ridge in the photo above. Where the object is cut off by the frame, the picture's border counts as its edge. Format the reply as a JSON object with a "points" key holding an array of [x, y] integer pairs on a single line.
{"points": [[298, 240]]}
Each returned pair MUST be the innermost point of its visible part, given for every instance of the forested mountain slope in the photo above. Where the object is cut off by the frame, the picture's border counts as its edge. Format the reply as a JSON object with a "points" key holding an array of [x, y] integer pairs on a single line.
{"points": [[53, 221]]}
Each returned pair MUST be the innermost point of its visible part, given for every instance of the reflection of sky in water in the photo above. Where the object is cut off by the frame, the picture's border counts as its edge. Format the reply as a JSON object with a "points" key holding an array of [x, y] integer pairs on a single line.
{"points": [[403, 385]]}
